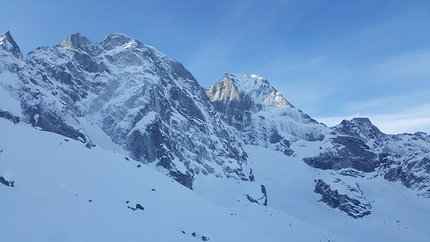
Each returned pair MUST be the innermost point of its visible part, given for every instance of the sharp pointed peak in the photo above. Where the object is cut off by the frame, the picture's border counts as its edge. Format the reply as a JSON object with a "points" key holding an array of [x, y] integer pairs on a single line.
{"points": [[7, 34], [74, 41], [13, 47], [258, 88], [255, 87]]}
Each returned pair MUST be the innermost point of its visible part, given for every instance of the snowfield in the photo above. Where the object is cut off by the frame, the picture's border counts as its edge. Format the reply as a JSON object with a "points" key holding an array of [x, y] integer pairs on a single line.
{"points": [[64, 191]]}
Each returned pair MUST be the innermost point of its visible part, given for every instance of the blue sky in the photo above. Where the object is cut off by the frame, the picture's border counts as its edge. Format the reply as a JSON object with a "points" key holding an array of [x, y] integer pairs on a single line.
{"points": [[332, 59]]}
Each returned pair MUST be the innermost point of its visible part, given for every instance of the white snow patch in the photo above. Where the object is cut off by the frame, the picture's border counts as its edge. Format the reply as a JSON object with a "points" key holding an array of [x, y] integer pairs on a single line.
{"points": [[8, 103]]}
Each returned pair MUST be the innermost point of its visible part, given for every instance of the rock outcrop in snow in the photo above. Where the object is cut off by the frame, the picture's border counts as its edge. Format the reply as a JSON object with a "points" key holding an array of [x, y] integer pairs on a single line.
{"points": [[351, 201], [358, 144]]}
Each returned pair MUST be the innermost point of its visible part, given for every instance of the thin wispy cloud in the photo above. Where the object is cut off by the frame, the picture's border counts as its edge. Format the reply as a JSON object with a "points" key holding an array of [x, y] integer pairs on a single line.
{"points": [[410, 67]]}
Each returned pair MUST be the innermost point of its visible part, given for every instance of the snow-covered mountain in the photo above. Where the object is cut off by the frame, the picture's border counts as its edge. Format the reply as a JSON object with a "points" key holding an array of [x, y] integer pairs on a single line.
{"points": [[238, 144], [146, 102]]}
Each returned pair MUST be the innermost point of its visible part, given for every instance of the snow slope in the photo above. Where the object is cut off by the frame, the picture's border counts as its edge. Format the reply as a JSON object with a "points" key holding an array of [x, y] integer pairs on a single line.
{"points": [[66, 192], [295, 212]]}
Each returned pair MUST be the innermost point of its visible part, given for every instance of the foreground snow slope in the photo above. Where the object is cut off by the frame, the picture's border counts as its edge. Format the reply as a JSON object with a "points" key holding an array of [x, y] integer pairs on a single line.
{"points": [[294, 211], [66, 192]]}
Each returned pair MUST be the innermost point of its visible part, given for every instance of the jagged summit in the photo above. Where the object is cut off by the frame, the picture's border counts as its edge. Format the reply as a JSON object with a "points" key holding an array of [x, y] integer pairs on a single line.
{"points": [[224, 90], [117, 39], [359, 127], [8, 43], [246, 88], [75, 41]]}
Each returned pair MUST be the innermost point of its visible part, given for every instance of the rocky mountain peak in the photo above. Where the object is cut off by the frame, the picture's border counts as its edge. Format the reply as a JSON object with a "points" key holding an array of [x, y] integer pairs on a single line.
{"points": [[224, 90], [360, 128], [111, 41], [8, 43], [246, 88], [75, 41]]}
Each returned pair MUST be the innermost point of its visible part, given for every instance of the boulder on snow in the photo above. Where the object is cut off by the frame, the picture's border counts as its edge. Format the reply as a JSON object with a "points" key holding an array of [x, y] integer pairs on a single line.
{"points": [[261, 200], [6, 182], [138, 206]]}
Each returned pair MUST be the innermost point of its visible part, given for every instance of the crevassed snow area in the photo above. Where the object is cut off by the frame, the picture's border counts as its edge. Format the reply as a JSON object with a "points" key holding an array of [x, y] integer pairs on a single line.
{"points": [[66, 192]]}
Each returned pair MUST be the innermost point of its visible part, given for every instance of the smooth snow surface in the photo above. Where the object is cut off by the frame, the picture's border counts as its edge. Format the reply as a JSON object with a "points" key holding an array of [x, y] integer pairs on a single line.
{"points": [[7, 102], [99, 137]]}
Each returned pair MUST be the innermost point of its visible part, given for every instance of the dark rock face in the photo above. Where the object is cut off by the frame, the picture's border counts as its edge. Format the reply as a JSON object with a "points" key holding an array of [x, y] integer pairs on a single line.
{"points": [[7, 115], [355, 207], [357, 145], [349, 152], [413, 173], [360, 128]]}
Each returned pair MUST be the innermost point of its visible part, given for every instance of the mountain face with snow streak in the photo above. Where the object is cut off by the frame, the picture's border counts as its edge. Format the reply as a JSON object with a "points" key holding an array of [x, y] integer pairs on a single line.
{"points": [[260, 114], [151, 106], [145, 101]]}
